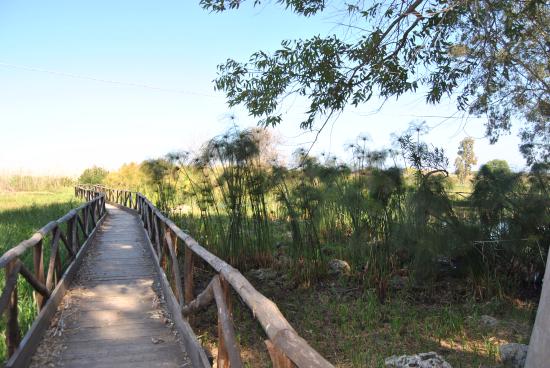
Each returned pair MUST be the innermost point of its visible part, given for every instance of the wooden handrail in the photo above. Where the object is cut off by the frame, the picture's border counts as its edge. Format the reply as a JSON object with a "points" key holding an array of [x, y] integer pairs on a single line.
{"points": [[286, 347], [87, 216]]}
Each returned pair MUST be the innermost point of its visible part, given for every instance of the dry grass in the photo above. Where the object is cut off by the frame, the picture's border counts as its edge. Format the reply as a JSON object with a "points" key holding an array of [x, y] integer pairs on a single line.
{"points": [[350, 328]]}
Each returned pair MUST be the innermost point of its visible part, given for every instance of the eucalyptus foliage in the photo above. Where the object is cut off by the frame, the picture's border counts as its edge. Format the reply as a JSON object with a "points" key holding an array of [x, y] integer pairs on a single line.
{"points": [[492, 55]]}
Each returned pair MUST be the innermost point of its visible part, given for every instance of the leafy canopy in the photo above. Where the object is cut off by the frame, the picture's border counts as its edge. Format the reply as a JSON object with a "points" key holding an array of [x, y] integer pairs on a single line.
{"points": [[492, 55], [93, 175]]}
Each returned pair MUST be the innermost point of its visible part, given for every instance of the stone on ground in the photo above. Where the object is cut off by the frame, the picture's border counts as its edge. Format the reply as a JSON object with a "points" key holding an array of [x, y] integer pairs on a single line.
{"points": [[339, 267], [264, 274], [422, 360], [513, 354], [489, 321]]}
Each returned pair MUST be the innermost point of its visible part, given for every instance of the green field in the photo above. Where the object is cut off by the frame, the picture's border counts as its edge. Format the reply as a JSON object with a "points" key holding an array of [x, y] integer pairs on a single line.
{"points": [[22, 214]]}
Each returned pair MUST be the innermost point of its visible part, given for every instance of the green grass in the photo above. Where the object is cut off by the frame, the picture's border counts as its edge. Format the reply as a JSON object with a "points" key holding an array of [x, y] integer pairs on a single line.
{"points": [[22, 214]]}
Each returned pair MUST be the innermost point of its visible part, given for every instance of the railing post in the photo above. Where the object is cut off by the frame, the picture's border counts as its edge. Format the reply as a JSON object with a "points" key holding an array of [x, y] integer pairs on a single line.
{"points": [[278, 358], [69, 234], [163, 253], [229, 355], [223, 356], [12, 324], [93, 206], [77, 221], [156, 232], [188, 275], [147, 220], [53, 264], [85, 220], [58, 265], [38, 260], [72, 228], [171, 244]]}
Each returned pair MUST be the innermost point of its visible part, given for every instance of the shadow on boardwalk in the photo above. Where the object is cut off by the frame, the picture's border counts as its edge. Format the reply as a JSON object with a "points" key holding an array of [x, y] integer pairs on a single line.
{"points": [[113, 314]]}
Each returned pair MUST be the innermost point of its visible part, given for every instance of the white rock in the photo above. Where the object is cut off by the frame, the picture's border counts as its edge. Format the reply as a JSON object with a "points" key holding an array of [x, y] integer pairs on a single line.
{"points": [[422, 360]]}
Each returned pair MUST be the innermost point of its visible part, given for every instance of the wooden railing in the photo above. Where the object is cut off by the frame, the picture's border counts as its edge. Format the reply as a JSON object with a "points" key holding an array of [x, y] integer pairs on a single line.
{"points": [[286, 348], [49, 284]]}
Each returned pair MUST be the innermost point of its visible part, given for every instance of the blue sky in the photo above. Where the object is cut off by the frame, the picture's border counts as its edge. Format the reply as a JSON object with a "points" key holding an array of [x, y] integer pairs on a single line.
{"points": [[105, 82]]}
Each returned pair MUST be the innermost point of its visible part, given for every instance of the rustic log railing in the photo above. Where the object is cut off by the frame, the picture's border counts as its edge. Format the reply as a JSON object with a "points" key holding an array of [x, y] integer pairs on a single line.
{"points": [[286, 348], [74, 231]]}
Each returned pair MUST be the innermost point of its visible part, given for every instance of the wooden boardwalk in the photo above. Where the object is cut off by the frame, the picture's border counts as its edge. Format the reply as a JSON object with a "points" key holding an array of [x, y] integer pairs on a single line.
{"points": [[98, 273], [113, 315]]}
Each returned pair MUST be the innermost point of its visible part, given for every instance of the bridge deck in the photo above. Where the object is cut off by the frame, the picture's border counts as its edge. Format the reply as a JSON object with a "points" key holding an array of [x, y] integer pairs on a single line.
{"points": [[113, 315]]}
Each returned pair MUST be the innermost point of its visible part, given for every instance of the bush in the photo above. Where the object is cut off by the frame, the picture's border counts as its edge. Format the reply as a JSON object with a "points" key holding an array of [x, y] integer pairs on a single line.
{"points": [[93, 175]]}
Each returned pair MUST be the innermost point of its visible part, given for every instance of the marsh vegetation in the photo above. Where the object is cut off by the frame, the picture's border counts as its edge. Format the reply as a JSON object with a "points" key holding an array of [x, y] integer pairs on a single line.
{"points": [[428, 251], [416, 238]]}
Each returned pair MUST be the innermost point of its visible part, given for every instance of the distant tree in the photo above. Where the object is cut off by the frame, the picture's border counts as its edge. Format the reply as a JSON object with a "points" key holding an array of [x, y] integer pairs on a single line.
{"points": [[495, 186], [267, 145], [491, 54], [129, 176], [161, 174], [466, 158], [93, 175]]}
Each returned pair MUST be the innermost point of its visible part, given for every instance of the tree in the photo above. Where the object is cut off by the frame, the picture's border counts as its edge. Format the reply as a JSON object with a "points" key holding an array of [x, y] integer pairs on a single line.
{"points": [[494, 188], [129, 176], [93, 175], [492, 55], [466, 158], [161, 174]]}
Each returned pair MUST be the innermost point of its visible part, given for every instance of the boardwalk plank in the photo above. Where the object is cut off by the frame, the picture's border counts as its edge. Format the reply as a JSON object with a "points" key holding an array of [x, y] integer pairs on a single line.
{"points": [[112, 355], [112, 315]]}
